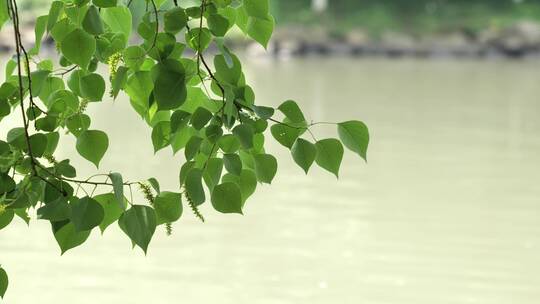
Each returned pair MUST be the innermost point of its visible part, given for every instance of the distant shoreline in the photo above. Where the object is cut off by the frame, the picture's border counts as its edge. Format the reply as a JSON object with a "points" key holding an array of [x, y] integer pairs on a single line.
{"points": [[521, 40]]}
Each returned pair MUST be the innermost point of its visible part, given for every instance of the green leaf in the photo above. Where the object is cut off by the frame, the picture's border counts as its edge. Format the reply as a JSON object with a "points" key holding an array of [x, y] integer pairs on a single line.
{"points": [[179, 119], [38, 81], [247, 159], [227, 198], [212, 173], [220, 44], [199, 43], [22, 213], [92, 21], [35, 191], [159, 3], [245, 135], [7, 90], [61, 29], [4, 148], [10, 67], [60, 101], [218, 24], [304, 153], [86, 213], [4, 281], [38, 143], [229, 143], [52, 84], [222, 3], [194, 186], [292, 111], [329, 155], [213, 133], [168, 207], [5, 108], [118, 188], [200, 118], [119, 80], [192, 147], [4, 13], [79, 47], [139, 87], [118, 19], [155, 184], [6, 183], [134, 57], [261, 29], [92, 87], [263, 112], [54, 13], [52, 142], [16, 137], [265, 167], [52, 191], [258, 28], [112, 210], [45, 64], [247, 181], [284, 134], [76, 13], [105, 3], [175, 20], [161, 135], [170, 87], [184, 170], [232, 163], [5, 218], [256, 8], [355, 136], [47, 123], [146, 28], [181, 138], [67, 236], [259, 126], [194, 11], [110, 44], [56, 211], [74, 81], [139, 224], [78, 123], [164, 45], [229, 73], [65, 169], [92, 145]]}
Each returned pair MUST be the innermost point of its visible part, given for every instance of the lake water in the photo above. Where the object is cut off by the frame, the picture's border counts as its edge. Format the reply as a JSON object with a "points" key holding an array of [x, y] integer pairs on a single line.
{"points": [[446, 211]]}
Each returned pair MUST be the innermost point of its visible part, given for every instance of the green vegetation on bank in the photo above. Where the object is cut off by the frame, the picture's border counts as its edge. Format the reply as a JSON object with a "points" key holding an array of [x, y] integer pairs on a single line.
{"points": [[411, 16], [375, 16]]}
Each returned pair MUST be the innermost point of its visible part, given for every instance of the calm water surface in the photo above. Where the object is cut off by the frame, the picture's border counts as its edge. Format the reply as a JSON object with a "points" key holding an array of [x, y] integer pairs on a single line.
{"points": [[446, 211]]}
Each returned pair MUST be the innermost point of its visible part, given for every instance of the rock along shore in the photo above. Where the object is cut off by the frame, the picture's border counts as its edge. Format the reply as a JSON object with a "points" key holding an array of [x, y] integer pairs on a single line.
{"points": [[519, 40]]}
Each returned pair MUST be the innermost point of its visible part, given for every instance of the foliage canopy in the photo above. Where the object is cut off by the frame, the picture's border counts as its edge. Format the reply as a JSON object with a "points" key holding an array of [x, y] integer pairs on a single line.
{"points": [[207, 111]]}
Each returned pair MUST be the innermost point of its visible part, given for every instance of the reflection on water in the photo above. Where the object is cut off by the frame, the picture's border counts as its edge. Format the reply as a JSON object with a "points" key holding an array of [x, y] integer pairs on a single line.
{"points": [[446, 211]]}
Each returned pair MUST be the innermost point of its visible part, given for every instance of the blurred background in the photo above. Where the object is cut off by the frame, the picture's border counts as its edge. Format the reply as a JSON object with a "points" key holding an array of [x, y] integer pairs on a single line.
{"points": [[392, 27], [445, 211]]}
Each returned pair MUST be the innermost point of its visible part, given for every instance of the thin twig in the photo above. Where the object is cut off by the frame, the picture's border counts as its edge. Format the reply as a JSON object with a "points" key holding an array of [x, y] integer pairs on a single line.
{"points": [[78, 181], [66, 71]]}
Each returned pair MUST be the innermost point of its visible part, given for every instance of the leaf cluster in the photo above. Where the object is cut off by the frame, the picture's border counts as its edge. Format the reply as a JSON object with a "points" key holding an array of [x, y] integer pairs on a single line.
{"points": [[205, 109]]}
